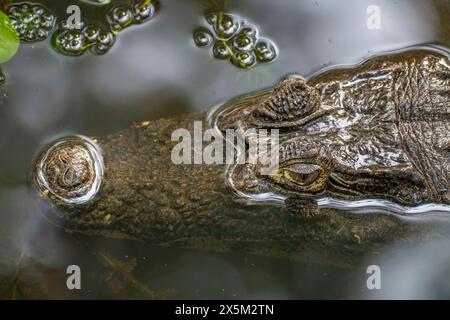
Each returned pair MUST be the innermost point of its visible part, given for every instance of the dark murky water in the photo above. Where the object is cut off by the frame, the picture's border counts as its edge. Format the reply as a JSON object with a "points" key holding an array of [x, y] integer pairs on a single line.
{"points": [[155, 70]]}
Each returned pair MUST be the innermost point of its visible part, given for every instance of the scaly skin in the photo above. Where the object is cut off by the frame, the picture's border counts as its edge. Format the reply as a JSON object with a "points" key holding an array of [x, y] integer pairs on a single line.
{"points": [[145, 196], [380, 130]]}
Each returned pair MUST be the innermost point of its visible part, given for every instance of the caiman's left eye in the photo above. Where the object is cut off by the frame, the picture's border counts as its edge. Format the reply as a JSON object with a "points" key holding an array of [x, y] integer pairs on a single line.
{"points": [[302, 174]]}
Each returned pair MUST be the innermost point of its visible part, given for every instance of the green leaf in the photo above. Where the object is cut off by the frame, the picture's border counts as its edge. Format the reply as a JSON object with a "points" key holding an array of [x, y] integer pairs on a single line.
{"points": [[9, 40]]}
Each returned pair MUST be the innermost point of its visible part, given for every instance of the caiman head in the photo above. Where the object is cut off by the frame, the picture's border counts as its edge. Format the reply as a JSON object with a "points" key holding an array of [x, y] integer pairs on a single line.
{"points": [[326, 149]]}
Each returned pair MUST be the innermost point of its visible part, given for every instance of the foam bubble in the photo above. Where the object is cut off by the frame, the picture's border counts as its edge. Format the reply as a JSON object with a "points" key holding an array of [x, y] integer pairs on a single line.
{"points": [[265, 51], [202, 37], [221, 50], [243, 59], [235, 40], [32, 22]]}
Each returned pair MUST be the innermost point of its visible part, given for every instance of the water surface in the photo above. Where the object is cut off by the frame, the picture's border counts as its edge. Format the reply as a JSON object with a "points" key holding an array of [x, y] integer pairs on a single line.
{"points": [[155, 70]]}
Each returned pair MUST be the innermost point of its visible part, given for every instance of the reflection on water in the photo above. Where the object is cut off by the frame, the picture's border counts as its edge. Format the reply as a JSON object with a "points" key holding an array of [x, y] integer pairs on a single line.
{"points": [[414, 272], [155, 70]]}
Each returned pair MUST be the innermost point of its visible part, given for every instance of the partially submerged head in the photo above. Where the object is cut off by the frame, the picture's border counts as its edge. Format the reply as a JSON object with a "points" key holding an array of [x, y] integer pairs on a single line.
{"points": [[322, 150]]}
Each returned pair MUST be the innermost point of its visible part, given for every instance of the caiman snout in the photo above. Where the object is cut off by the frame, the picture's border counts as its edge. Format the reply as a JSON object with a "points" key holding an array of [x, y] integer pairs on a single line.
{"points": [[69, 171]]}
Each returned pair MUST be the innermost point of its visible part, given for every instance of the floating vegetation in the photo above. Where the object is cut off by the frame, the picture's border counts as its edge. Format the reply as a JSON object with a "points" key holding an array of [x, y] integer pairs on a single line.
{"points": [[235, 40], [32, 22], [138, 12], [75, 42], [9, 40]]}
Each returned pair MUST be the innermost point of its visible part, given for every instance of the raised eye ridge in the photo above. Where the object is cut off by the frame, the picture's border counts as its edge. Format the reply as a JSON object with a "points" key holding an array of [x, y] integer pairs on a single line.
{"points": [[291, 100]]}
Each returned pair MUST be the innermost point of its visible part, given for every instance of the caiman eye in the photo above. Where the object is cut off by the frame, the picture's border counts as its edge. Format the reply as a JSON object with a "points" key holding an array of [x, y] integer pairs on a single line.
{"points": [[302, 174]]}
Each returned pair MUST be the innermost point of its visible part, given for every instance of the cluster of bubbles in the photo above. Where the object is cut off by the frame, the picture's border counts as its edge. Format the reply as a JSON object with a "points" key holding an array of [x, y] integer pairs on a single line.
{"points": [[99, 40], [74, 42], [32, 22], [35, 23], [123, 16], [235, 40]]}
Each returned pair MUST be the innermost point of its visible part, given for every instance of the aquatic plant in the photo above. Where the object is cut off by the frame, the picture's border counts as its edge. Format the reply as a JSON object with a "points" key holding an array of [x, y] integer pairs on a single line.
{"points": [[122, 16], [32, 22], [9, 40], [234, 40], [75, 42]]}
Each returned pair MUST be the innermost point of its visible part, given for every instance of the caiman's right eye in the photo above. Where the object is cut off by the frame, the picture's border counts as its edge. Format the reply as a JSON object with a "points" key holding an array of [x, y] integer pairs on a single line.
{"points": [[302, 174]]}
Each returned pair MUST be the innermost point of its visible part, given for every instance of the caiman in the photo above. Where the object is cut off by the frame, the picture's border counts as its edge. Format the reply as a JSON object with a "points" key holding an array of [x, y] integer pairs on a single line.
{"points": [[375, 134]]}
